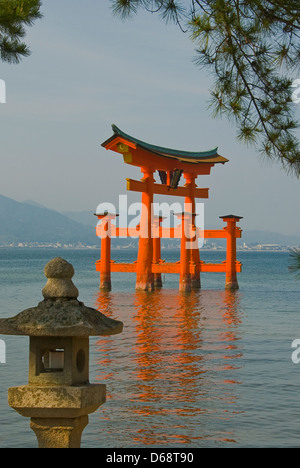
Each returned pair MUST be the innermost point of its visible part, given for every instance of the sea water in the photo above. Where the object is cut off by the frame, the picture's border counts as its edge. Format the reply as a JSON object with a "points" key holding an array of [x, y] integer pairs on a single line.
{"points": [[210, 368]]}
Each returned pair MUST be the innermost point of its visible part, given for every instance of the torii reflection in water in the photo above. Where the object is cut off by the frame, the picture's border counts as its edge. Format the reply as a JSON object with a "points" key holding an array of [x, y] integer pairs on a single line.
{"points": [[177, 358]]}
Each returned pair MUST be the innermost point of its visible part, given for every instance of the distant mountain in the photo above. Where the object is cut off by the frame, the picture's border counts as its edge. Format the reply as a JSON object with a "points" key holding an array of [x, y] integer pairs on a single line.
{"points": [[28, 223], [266, 237], [83, 217], [34, 203]]}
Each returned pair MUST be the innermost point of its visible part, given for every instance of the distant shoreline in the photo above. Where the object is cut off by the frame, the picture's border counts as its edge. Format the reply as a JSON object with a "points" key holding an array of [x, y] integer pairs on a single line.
{"points": [[135, 249]]}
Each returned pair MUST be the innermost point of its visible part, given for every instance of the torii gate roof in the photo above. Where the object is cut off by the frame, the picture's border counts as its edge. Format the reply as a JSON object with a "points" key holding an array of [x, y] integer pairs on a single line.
{"points": [[210, 156]]}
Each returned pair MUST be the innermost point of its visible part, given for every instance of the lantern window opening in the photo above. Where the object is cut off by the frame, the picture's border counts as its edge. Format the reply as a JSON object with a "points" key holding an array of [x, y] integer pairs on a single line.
{"points": [[53, 360]]}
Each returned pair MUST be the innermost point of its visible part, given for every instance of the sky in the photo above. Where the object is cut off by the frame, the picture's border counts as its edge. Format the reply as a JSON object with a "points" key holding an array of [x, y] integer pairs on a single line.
{"points": [[89, 70]]}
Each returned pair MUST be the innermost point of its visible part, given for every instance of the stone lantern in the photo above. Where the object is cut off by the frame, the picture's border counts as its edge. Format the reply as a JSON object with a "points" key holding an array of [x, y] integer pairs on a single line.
{"points": [[59, 397]]}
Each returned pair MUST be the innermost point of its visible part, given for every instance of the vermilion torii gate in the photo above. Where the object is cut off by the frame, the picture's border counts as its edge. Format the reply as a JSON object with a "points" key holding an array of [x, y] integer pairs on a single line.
{"points": [[171, 165]]}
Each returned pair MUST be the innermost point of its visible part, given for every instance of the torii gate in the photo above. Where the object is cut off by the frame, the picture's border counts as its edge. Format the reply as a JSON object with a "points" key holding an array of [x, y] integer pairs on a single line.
{"points": [[171, 165]]}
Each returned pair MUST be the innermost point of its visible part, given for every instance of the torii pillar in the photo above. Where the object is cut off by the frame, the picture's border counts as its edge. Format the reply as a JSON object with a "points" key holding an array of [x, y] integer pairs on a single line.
{"points": [[144, 275], [185, 280], [190, 203], [231, 281], [105, 234], [157, 249]]}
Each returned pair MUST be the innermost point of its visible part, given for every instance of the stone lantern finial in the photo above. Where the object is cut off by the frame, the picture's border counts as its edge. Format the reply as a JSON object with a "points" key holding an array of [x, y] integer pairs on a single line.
{"points": [[60, 285]]}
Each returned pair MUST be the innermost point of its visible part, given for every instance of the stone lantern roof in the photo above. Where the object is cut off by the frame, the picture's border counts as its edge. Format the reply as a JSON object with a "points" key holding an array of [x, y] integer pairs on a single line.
{"points": [[60, 313]]}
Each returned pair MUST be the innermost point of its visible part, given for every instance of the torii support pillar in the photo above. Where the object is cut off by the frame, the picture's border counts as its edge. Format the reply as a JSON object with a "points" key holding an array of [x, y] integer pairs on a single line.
{"points": [[144, 275], [231, 281], [157, 250], [190, 205], [105, 269], [185, 254]]}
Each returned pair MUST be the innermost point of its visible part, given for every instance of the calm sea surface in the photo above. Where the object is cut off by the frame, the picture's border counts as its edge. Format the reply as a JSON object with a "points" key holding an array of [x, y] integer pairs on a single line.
{"points": [[207, 369]]}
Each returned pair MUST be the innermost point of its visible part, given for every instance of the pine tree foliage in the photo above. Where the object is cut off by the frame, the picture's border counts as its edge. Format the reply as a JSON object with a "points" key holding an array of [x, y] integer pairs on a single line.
{"points": [[15, 15], [252, 49]]}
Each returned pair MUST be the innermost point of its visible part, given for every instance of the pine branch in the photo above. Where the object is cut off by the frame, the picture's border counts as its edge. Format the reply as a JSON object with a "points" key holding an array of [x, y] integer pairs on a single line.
{"points": [[246, 44], [14, 16]]}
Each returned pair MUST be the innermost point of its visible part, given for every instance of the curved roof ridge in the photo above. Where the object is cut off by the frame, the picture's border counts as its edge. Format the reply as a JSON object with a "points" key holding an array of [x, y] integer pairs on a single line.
{"points": [[166, 151]]}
